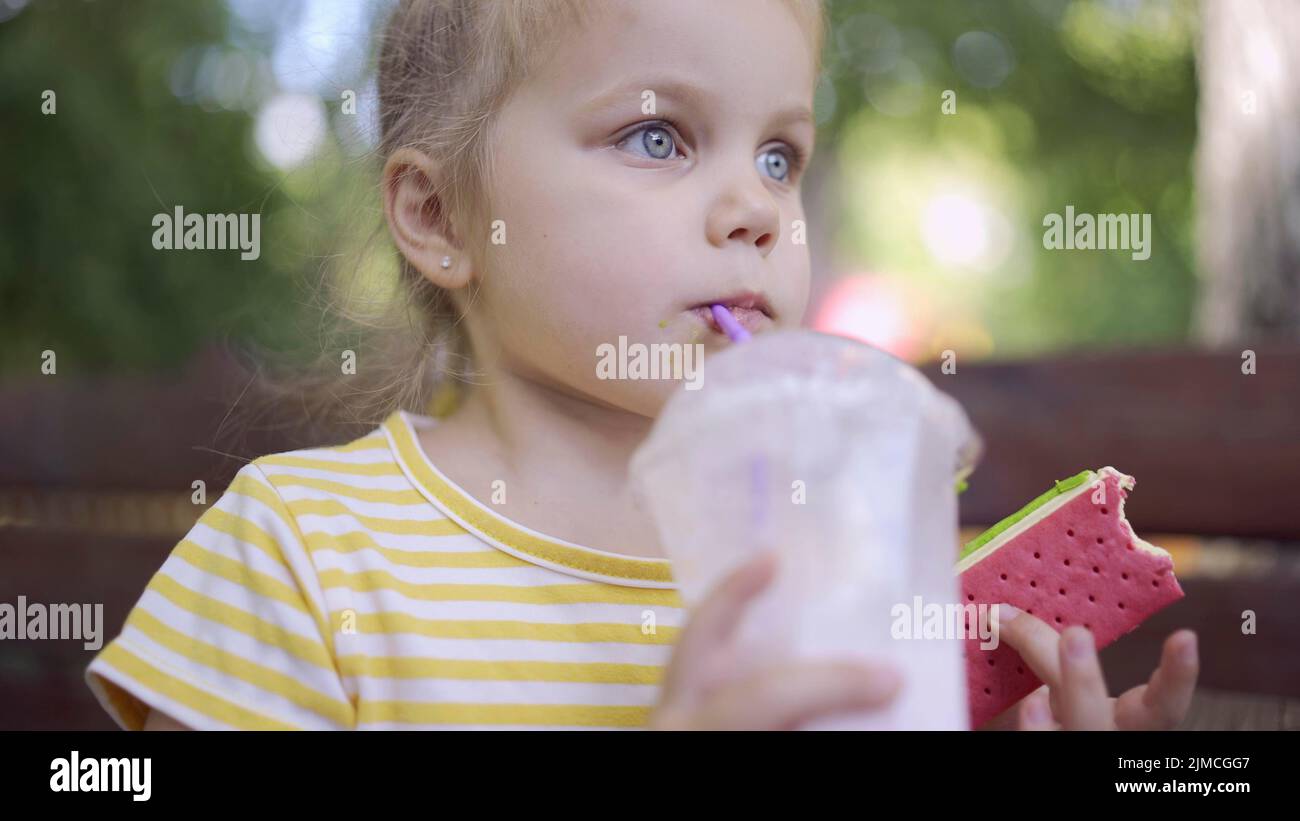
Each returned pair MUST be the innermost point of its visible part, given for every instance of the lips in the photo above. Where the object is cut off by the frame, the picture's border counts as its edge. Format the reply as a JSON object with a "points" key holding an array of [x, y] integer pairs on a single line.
{"points": [[750, 309]]}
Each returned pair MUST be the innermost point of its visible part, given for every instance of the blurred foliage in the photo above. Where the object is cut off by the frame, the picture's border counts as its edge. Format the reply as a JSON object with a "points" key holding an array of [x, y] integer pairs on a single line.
{"points": [[1095, 107], [1097, 111], [78, 271]]}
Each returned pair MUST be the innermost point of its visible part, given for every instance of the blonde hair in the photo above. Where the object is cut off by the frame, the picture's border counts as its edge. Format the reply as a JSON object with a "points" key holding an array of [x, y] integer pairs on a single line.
{"points": [[445, 68]]}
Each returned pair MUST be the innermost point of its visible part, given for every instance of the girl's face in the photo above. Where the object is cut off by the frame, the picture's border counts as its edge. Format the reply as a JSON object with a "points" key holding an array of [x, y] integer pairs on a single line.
{"points": [[649, 167]]}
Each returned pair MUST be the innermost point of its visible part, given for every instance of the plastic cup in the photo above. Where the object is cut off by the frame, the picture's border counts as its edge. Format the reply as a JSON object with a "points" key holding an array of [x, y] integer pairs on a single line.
{"points": [[842, 459]]}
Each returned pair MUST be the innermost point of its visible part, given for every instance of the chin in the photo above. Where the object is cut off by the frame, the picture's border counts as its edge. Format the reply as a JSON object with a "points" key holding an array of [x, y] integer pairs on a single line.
{"points": [[644, 398]]}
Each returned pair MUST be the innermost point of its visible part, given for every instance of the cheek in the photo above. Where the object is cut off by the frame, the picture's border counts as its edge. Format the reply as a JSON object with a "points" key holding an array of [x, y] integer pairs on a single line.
{"points": [[550, 279], [581, 258], [543, 294], [790, 285], [798, 291]]}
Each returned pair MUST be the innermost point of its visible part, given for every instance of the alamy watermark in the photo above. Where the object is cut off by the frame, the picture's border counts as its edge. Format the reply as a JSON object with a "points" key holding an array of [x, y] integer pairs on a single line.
{"points": [[77, 774], [82, 622], [657, 360], [1086, 232], [196, 232], [921, 620]]}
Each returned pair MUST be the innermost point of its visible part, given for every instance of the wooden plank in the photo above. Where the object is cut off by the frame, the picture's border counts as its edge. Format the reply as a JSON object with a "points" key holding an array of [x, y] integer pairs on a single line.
{"points": [[151, 432], [1215, 710], [1263, 663], [1215, 451], [42, 684]]}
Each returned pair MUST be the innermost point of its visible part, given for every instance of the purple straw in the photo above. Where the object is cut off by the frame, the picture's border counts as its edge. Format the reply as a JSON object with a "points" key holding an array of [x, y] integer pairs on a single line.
{"points": [[729, 325], [758, 519]]}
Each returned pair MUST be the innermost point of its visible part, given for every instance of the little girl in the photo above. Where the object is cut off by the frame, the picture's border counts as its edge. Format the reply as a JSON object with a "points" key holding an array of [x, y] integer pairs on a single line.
{"points": [[558, 174]]}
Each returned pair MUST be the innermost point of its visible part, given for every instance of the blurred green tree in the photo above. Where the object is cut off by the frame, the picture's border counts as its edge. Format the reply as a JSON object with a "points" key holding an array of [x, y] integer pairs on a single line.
{"points": [[78, 272], [1090, 103]]}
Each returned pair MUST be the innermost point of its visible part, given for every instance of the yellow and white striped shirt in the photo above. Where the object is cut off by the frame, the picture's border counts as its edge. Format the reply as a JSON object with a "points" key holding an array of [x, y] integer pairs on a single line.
{"points": [[356, 587]]}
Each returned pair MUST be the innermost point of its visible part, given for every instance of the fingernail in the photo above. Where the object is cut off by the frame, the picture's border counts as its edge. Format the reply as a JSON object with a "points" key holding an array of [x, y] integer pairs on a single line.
{"points": [[1003, 614], [1078, 644], [1188, 654]]}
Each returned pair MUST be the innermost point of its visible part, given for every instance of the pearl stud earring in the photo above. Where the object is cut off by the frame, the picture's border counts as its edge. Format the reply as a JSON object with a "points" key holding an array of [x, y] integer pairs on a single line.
{"points": [[446, 262]]}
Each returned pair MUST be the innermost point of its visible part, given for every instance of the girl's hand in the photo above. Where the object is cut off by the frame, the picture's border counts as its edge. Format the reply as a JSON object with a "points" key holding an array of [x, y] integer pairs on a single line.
{"points": [[703, 691], [1075, 695]]}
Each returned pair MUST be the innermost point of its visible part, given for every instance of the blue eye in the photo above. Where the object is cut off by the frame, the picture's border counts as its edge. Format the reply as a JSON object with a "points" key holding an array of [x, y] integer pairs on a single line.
{"points": [[774, 163], [655, 140], [658, 141]]}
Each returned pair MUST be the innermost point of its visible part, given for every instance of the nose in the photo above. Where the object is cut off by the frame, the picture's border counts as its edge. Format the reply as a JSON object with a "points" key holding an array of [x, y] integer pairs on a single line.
{"points": [[745, 212]]}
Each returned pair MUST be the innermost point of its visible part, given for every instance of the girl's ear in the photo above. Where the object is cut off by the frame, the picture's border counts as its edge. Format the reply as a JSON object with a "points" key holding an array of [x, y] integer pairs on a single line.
{"points": [[419, 223]]}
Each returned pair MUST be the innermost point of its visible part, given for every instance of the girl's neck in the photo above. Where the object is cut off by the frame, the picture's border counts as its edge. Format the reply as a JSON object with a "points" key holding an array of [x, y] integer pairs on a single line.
{"points": [[539, 425], [563, 459]]}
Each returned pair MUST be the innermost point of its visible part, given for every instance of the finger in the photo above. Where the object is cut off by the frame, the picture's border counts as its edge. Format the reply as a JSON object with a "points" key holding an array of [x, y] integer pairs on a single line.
{"points": [[785, 697], [1162, 703], [1032, 638], [1083, 701], [716, 617], [1036, 712]]}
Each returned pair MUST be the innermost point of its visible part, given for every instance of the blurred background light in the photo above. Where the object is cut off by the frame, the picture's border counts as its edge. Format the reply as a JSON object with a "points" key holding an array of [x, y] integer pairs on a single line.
{"points": [[962, 231], [290, 128], [956, 229], [324, 47], [10, 8], [982, 59], [873, 309]]}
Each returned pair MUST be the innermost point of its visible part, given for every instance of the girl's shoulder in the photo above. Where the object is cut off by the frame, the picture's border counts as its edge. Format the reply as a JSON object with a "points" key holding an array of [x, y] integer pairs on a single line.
{"points": [[368, 467], [235, 629]]}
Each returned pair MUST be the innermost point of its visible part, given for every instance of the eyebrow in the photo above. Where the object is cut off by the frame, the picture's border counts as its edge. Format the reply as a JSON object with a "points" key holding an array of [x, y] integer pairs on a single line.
{"points": [[684, 91]]}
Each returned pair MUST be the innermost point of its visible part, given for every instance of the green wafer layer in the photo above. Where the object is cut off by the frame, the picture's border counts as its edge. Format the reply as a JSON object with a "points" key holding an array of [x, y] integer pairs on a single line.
{"points": [[1061, 486]]}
